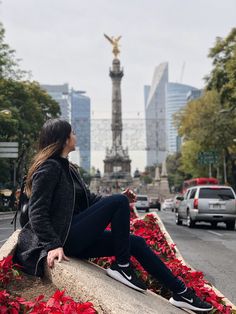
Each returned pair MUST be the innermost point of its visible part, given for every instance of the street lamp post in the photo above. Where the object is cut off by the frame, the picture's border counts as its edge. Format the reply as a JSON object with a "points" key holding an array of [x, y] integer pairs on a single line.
{"points": [[224, 169]]}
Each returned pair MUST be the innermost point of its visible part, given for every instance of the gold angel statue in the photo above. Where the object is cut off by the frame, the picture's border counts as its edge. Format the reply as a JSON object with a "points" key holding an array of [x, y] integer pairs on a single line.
{"points": [[115, 44]]}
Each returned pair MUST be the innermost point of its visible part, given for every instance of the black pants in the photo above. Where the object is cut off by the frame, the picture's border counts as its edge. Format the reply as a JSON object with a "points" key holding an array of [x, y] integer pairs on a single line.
{"points": [[87, 239]]}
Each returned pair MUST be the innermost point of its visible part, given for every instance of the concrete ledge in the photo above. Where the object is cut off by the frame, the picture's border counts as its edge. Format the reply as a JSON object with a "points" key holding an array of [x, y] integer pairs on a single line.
{"points": [[9, 246], [89, 282], [86, 281]]}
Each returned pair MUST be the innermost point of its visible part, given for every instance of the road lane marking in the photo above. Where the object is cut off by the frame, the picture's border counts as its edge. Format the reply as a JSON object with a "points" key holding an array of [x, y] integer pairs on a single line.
{"points": [[6, 218], [213, 232], [3, 240]]}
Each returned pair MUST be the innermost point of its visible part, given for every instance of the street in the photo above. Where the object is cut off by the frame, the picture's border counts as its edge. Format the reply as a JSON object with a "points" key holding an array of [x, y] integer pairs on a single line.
{"points": [[212, 251], [6, 228]]}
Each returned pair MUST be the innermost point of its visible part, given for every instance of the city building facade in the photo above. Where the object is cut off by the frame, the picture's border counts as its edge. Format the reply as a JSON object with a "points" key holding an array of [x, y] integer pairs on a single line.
{"points": [[162, 100], [61, 94], [176, 99], [81, 125], [155, 116], [75, 108]]}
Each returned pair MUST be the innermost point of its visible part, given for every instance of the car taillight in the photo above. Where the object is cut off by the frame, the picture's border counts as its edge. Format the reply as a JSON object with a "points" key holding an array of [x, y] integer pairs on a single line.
{"points": [[195, 203]]}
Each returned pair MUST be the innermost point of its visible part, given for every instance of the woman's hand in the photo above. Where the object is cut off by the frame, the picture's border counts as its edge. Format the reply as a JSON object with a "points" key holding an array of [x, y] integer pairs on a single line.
{"points": [[56, 254], [130, 194]]}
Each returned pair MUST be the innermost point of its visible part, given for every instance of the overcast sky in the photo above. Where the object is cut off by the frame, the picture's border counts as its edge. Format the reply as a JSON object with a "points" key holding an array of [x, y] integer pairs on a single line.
{"points": [[62, 41]]}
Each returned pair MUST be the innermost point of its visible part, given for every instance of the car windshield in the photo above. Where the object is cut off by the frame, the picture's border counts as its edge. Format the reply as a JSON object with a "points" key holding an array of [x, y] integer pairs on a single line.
{"points": [[141, 198], [216, 193]]}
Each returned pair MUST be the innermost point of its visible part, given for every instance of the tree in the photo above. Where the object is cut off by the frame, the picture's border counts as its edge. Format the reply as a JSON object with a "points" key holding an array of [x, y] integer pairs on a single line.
{"points": [[175, 175], [202, 123], [30, 107], [204, 128], [189, 160], [9, 67], [222, 77]]}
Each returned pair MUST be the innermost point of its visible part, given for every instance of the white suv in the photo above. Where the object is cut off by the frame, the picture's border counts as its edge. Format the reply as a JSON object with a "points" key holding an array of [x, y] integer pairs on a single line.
{"points": [[142, 202], [210, 203]]}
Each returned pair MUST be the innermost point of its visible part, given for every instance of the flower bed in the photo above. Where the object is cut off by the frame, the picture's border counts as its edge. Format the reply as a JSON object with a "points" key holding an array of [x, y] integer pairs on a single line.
{"points": [[149, 229], [10, 303]]}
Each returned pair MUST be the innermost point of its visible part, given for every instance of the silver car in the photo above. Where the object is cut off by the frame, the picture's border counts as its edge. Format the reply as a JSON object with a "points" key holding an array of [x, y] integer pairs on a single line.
{"points": [[142, 202], [209, 203]]}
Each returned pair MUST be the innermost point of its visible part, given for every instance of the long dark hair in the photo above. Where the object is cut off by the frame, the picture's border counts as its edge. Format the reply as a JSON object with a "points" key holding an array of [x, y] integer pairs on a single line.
{"points": [[52, 140]]}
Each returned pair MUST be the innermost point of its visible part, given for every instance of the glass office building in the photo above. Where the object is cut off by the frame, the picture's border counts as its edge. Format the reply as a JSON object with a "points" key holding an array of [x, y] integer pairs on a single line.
{"points": [[155, 116], [75, 108], [61, 94], [177, 96], [81, 124]]}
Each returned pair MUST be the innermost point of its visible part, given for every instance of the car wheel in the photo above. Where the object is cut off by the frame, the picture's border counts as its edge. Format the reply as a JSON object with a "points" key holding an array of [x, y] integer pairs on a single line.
{"points": [[230, 225], [214, 224], [190, 222], [178, 221], [147, 210]]}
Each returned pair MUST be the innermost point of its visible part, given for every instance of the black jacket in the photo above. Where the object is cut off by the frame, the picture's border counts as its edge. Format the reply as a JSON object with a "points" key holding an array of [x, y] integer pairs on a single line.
{"points": [[51, 208]]}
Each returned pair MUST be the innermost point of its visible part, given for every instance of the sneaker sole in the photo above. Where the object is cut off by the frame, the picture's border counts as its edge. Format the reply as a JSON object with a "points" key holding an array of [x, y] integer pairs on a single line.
{"points": [[117, 276], [188, 306]]}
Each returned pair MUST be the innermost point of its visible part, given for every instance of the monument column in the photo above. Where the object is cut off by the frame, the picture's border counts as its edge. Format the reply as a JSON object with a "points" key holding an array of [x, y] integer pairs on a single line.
{"points": [[117, 161], [116, 126]]}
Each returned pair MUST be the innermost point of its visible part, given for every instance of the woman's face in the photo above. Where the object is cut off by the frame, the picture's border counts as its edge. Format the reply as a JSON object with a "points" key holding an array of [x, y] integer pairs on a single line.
{"points": [[71, 141]]}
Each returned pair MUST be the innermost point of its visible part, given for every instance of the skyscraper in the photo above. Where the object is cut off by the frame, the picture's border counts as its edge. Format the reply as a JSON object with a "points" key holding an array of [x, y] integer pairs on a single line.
{"points": [[75, 108], [176, 99], [162, 100], [155, 115], [61, 94], [81, 125]]}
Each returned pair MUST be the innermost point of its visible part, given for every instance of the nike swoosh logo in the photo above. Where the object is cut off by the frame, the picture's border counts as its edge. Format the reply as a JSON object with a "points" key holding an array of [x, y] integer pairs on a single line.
{"points": [[128, 277], [190, 301]]}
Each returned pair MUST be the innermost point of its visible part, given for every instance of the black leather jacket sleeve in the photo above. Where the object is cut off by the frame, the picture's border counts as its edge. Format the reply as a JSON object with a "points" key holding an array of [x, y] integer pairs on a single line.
{"points": [[44, 182]]}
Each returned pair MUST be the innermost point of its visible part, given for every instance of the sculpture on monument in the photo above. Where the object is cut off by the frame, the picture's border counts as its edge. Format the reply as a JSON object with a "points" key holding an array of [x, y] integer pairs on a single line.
{"points": [[115, 44]]}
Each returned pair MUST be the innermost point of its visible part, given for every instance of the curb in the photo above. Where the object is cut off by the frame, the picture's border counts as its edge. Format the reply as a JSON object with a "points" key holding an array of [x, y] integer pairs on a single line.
{"points": [[9, 246]]}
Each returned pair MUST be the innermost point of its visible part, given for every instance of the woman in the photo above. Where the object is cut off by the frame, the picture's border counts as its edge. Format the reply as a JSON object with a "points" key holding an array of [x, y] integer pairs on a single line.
{"points": [[65, 219]]}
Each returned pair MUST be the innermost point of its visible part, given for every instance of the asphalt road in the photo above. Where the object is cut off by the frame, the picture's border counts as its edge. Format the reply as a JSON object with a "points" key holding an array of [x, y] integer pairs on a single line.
{"points": [[212, 251], [6, 228]]}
